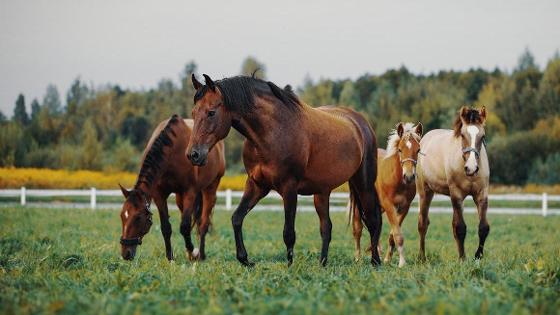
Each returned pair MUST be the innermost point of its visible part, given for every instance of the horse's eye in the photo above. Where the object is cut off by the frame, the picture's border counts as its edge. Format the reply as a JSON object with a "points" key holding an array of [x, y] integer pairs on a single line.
{"points": [[400, 151], [211, 113]]}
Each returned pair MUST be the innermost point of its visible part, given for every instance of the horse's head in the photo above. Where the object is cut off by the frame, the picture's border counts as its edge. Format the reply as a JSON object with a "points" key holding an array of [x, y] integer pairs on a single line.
{"points": [[469, 126], [408, 148], [212, 121], [136, 221]]}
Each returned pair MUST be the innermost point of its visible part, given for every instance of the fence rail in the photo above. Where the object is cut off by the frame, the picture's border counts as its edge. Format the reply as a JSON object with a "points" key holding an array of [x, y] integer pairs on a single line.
{"points": [[229, 195]]}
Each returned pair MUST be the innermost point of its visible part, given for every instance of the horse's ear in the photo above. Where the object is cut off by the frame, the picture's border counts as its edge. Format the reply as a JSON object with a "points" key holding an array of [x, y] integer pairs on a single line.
{"points": [[419, 129], [196, 85], [400, 129], [463, 113], [124, 191], [210, 83], [482, 113]]}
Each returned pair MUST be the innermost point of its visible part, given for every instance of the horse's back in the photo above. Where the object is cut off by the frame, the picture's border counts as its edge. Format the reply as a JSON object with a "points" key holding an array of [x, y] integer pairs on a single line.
{"points": [[337, 141]]}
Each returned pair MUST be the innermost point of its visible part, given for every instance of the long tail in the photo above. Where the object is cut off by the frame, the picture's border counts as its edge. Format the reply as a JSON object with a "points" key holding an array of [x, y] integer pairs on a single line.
{"points": [[197, 210], [354, 204]]}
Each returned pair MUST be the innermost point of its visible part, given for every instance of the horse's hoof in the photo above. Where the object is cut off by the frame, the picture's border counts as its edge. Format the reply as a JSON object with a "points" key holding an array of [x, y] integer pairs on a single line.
{"points": [[402, 263], [386, 260], [194, 255], [376, 262], [323, 262], [245, 262], [479, 254]]}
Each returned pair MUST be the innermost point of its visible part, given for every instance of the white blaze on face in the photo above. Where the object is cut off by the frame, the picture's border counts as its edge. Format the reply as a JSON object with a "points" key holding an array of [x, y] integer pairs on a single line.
{"points": [[126, 214], [408, 144], [471, 163]]}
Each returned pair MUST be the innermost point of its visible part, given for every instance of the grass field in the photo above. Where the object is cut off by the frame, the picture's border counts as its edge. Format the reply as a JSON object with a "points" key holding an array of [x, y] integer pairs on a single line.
{"points": [[67, 261]]}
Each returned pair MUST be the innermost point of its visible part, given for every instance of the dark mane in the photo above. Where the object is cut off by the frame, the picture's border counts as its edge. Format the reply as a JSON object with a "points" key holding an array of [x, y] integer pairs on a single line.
{"points": [[239, 93], [470, 115], [154, 156]]}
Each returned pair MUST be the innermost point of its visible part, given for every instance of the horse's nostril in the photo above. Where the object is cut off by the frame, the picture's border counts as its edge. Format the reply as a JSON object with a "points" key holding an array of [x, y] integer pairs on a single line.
{"points": [[194, 155]]}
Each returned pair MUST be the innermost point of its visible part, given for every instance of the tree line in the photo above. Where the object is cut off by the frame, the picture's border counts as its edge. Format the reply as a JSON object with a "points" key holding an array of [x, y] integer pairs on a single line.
{"points": [[106, 128]]}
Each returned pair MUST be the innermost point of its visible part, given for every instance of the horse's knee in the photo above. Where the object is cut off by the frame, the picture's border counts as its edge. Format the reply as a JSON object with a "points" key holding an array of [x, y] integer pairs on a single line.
{"points": [[460, 229], [423, 226]]}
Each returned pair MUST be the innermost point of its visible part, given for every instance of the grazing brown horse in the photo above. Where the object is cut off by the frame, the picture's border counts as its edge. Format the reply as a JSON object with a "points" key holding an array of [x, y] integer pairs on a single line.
{"points": [[455, 164], [290, 147], [165, 170], [396, 171]]}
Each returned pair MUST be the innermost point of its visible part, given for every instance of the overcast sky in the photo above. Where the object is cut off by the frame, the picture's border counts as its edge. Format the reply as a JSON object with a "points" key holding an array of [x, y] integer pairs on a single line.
{"points": [[137, 43]]}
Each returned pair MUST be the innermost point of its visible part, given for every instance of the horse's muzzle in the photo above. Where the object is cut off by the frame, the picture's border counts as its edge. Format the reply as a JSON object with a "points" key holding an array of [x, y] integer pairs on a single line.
{"points": [[128, 252], [408, 179], [198, 156], [469, 173]]}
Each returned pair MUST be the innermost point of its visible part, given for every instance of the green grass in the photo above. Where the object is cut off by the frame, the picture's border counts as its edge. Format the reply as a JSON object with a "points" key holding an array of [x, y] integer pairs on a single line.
{"points": [[67, 261]]}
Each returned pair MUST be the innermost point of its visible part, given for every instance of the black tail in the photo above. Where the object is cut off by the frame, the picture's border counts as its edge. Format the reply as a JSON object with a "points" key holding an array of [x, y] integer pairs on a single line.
{"points": [[353, 204], [197, 210]]}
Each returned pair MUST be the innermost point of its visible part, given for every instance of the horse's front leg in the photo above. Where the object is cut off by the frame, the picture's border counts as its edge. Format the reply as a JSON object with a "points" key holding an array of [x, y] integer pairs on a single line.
{"points": [[459, 225], [290, 204], [481, 202], [188, 203], [253, 193], [161, 204], [322, 207]]}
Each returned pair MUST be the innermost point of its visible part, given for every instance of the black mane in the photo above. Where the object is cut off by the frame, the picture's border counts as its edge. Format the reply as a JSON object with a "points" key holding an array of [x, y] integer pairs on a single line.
{"points": [[239, 93], [154, 157]]}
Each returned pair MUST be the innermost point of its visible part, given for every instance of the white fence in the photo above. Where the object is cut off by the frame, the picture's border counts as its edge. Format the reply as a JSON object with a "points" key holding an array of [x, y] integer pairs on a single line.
{"points": [[338, 200]]}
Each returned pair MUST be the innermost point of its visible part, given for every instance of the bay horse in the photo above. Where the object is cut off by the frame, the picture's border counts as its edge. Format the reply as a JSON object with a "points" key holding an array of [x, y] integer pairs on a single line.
{"points": [[165, 170], [455, 164], [291, 148], [395, 186]]}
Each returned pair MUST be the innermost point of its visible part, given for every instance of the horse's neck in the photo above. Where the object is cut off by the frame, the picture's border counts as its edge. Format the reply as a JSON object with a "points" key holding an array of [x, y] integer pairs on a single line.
{"points": [[393, 169], [146, 189], [259, 126]]}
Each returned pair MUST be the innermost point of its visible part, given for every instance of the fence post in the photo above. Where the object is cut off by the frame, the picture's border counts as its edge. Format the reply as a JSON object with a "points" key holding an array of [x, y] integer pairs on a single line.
{"points": [[93, 200], [23, 196], [228, 199], [544, 204]]}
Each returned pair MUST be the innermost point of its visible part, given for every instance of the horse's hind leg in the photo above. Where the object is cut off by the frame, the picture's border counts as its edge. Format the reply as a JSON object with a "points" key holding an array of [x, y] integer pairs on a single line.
{"points": [[322, 207], [425, 195], [208, 203], [483, 226], [362, 184], [459, 226], [356, 231], [253, 193]]}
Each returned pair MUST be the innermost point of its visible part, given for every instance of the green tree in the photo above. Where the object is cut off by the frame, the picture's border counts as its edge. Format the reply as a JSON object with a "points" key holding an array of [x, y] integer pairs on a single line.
{"points": [[20, 113], [252, 66], [51, 100], [348, 95], [526, 61], [35, 109], [92, 149], [549, 89]]}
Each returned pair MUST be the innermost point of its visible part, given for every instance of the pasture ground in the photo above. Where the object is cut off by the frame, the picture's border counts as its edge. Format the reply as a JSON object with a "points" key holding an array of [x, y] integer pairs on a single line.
{"points": [[68, 262]]}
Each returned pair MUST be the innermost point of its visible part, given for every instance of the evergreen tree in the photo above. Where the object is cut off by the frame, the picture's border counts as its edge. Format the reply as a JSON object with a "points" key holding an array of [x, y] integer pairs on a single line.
{"points": [[20, 113], [35, 109]]}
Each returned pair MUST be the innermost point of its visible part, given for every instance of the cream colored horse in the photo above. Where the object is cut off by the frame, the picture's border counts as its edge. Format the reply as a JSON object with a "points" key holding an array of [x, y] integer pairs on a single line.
{"points": [[455, 164]]}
